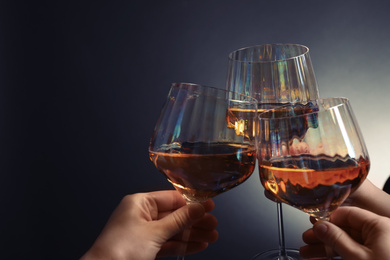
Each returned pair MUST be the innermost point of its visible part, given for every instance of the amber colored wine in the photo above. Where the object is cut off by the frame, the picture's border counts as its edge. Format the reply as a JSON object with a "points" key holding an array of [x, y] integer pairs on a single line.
{"points": [[298, 125], [243, 124], [315, 185], [278, 110], [242, 121], [200, 171]]}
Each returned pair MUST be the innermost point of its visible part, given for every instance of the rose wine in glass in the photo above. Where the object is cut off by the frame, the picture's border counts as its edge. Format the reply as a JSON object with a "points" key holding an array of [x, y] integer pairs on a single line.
{"points": [[276, 75], [204, 141], [315, 160], [209, 168]]}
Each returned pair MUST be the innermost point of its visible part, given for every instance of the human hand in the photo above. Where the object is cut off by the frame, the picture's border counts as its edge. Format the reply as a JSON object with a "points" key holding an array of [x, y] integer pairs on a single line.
{"points": [[352, 233], [149, 225], [371, 198]]}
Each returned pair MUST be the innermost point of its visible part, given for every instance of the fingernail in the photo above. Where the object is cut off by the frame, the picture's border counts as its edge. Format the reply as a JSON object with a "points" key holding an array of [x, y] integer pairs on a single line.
{"points": [[320, 228]]}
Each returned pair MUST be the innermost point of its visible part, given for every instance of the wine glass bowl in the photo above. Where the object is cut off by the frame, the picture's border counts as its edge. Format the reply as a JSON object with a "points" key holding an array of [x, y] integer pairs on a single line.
{"points": [[204, 140], [276, 75], [314, 160], [273, 73]]}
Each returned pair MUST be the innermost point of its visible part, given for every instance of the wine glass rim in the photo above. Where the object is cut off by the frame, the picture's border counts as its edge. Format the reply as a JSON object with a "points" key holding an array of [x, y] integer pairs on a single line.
{"points": [[343, 101], [269, 44], [187, 84]]}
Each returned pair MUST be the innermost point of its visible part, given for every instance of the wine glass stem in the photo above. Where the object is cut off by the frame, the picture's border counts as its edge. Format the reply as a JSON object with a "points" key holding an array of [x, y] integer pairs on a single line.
{"points": [[185, 238], [282, 245]]}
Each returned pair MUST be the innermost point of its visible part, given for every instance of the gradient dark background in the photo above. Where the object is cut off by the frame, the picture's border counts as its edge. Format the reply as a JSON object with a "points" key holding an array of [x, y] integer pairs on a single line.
{"points": [[82, 83]]}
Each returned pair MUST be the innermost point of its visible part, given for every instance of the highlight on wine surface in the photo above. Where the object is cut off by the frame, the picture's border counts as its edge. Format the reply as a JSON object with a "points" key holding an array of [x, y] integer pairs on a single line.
{"points": [[313, 159], [204, 140]]}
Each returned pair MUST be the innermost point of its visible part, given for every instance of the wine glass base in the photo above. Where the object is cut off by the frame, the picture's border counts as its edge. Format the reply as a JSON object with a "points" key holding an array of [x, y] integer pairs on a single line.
{"points": [[292, 254]]}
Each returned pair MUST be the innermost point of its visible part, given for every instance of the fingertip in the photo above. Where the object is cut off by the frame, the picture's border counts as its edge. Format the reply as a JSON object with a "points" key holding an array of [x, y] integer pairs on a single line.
{"points": [[209, 205], [307, 235], [200, 246], [320, 228], [204, 245], [196, 211]]}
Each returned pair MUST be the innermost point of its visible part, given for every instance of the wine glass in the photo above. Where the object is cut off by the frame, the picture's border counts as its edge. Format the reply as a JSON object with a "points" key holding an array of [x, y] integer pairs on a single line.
{"points": [[313, 160], [274, 74], [204, 141]]}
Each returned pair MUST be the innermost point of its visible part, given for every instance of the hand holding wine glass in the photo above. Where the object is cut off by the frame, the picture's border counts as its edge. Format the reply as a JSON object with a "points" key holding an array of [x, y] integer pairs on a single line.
{"points": [[316, 167], [352, 233], [204, 140], [313, 160], [147, 225]]}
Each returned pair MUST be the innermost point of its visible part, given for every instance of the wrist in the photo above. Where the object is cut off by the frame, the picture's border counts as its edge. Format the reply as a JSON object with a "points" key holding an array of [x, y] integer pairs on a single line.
{"points": [[97, 252], [119, 251]]}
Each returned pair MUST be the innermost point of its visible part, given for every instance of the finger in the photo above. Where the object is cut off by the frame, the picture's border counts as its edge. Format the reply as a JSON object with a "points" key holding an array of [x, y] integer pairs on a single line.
{"points": [[170, 200], [208, 222], [355, 221], [180, 219], [352, 217], [312, 251], [172, 248], [338, 240], [167, 200], [164, 214], [207, 216], [310, 238], [198, 235], [209, 205], [209, 236]]}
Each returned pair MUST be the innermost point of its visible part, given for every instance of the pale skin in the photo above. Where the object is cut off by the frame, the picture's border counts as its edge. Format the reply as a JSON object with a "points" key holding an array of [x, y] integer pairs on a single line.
{"points": [[370, 197], [149, 225], [358, 231]]}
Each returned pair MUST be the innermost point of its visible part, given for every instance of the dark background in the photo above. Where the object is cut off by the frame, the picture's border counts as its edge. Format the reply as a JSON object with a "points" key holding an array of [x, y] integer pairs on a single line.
{"points": [[82, 83]]}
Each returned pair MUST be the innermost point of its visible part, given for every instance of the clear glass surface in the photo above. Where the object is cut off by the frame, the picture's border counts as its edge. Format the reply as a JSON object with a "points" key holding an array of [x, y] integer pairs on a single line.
{"points": [[274, 74], [275, 254], [204, 141], [313, 160]]}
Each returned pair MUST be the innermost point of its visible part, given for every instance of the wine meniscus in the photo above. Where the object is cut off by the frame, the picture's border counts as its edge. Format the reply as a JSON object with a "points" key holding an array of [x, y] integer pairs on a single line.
{"points": [[200, 171], [315, 185], [193, 147], [236, 117]]}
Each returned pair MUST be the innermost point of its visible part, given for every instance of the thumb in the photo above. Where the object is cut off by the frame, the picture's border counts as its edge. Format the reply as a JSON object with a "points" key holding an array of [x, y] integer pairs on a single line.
{"points": [[181, 219], [337, 239]]}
